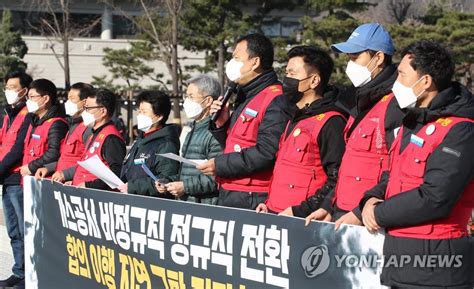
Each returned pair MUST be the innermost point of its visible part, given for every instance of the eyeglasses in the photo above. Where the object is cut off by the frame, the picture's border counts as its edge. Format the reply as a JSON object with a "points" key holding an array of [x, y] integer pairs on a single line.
{"points": [[33, 96], [193, 97], [87, 108]]}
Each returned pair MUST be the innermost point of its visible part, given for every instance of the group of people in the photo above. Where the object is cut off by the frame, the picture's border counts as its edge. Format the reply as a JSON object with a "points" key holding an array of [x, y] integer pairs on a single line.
{"points": [[393, 151]]}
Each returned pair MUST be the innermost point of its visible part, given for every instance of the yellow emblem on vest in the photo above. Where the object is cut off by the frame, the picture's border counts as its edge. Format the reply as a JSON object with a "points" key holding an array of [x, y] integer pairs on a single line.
{"points": [[275, 88], [444, 121], [385, 98], [296, 132], [320, 116], [101, 136]]}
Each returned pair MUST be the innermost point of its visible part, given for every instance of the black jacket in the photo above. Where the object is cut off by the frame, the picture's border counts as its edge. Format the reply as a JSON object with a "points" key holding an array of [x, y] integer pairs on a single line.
{"points": [[164, 140], [358, 102], [113, 151], [446, 175], [73, 124], [56, 134], [448, 171], [331, 146], [260, 157], [14, 158]]}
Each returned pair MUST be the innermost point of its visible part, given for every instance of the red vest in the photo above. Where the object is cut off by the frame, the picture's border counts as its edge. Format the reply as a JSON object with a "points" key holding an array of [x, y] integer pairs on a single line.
{"points": [[244, 134], [366, 156], [9, 135], [72, 148], [36, 144], [298, 171], [94, 147], [406, 173]]}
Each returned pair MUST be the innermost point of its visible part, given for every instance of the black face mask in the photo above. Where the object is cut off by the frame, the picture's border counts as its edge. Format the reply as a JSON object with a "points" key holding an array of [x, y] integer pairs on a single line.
{"points": [[290, 88]]}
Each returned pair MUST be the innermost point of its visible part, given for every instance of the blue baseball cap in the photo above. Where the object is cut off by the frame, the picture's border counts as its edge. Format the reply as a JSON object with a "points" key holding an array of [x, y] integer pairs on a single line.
{"points": [[367, 36]]}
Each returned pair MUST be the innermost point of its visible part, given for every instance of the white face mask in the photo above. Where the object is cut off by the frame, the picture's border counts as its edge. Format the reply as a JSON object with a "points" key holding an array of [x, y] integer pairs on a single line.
{"points": [[32, 106], [88, 118], [192, 109], [144, 122], [232, 69], [11, 96], [71, 108], [358, 74], [405, 96]]}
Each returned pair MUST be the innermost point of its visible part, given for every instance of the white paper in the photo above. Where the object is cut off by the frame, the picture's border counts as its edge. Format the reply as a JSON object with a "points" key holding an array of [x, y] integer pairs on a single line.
{"points": [[182, 160], [96, 167]]}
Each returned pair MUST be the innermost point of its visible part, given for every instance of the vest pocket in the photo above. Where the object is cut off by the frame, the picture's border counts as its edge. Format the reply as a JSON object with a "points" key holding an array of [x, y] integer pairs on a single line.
{"points": [[71, 146], [243, 127], [414, 164], [362, 139], [290, 188], [355, 178], [298, 149]]}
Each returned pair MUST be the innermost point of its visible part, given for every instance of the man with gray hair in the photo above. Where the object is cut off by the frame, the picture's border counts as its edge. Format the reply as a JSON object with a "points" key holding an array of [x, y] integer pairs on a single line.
{"points": [[190, 184]]}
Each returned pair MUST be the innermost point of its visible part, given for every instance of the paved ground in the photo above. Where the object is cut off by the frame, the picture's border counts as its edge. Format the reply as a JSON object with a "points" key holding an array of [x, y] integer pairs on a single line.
{"points": [[6, 259]]}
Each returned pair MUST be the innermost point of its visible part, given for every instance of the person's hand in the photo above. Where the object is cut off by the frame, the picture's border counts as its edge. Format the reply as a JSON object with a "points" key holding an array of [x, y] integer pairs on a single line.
{"points": [[318, 215], [287, 212], [208, 168], [123, 188], [41, 173], [161, 188], [58, 177], [349, 219], [25, 171], [368, 215], [261, 208], [224, 114], [176, 189], [82, 185]]}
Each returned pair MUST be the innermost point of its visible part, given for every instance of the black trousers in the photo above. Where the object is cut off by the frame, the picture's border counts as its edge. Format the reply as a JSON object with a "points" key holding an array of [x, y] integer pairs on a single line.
{"points": [[243, 200], [458, 274]]}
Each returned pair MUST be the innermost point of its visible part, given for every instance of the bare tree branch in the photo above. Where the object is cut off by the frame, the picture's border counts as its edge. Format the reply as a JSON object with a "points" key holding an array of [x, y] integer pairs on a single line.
{"points": [[399, 9]]}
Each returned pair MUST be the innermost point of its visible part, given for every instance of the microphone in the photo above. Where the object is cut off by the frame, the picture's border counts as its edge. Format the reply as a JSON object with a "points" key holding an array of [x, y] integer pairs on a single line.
{"points": [[231, 86]]}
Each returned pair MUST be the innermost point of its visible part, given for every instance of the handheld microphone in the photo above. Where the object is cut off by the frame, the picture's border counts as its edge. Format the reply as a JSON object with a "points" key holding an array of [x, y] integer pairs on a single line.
{"points": [[228, 92]]}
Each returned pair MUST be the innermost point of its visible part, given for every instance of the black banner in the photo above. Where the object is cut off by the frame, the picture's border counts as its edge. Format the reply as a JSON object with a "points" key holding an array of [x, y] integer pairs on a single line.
{"points": [[85, 238]]}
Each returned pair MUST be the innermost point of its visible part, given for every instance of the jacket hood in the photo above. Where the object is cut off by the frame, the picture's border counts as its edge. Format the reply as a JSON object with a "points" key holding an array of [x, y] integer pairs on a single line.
{"points": [[170, 131], [360, 99], [327, 103], [256, 85], [455, 100], [54, 111]]}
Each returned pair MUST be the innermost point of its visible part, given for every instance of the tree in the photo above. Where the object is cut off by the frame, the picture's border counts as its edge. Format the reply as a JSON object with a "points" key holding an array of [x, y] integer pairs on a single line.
{"points": [[453, 29], [334, 28], [215, 34], [129, 65], [12, 47], [56, 24], [399, 9], [159, 25]]}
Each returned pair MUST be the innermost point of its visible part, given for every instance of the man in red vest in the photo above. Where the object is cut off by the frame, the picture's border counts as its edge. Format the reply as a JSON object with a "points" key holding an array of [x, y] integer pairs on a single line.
{"points": [[73, 145], [312, 145], [12, 135], [427, 200], [105, 140], [251, 135], [47, 130], [374, 116]]}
